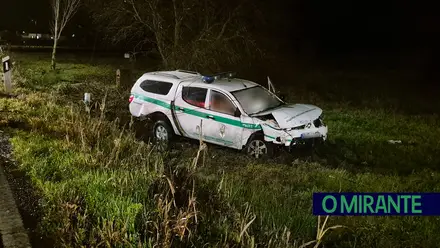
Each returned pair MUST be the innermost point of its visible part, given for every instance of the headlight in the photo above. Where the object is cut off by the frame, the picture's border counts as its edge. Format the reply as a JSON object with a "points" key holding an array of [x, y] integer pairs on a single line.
{"points": [[318, 122], [273, 123]]}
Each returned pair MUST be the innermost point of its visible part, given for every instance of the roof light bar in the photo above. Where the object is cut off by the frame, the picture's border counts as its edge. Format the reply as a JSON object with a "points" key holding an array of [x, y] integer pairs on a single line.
{"points": [[210, 79], [229, 74]]}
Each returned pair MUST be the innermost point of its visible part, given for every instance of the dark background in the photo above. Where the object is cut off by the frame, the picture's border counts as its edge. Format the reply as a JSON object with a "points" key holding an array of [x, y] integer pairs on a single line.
{"points": [[328, 27], [366, 34]]}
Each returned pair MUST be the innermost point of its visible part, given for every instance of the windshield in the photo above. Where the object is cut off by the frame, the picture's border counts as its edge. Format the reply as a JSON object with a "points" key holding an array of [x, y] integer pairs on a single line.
{"points": [[256, 99]]}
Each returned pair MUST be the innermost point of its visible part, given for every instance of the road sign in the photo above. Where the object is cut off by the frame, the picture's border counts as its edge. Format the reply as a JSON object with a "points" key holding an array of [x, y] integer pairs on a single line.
{"points": [[6, 61]]}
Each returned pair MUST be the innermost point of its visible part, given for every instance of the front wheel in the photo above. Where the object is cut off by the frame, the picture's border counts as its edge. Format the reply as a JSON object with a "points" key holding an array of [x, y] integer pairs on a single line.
{"points": [[257, 147]]}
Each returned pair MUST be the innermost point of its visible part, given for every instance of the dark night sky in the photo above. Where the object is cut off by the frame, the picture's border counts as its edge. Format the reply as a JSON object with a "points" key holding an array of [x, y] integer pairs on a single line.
{"points": [[366, 25], [18, 14], [329, 27]]}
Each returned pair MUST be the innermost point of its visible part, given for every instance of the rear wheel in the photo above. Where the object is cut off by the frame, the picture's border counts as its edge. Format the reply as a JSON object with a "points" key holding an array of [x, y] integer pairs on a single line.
{"points": [[257, 147], [162, 134]]}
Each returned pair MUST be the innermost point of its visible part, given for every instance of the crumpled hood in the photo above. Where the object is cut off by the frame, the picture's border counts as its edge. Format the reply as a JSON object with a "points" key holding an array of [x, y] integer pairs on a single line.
{"points": [[295, 115]]}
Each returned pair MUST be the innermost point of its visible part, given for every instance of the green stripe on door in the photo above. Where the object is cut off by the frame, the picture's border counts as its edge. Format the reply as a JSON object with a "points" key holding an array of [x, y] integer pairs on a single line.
{"points": [[192, 112], [227, 142], [199, 113]]}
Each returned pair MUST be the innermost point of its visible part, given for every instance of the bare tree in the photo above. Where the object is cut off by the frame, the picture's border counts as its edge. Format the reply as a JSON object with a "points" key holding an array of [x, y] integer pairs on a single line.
{"points": [[63, 11], [188, 34]]}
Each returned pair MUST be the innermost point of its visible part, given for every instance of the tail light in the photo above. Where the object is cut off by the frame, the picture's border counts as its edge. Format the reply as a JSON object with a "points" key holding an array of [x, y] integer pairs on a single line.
{"points": [[131, 99]]}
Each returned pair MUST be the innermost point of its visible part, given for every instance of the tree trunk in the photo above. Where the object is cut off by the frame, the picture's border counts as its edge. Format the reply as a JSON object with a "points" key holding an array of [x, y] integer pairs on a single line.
{"points": [[54, 53], [176, 25], [160, 48], [55, 35]]}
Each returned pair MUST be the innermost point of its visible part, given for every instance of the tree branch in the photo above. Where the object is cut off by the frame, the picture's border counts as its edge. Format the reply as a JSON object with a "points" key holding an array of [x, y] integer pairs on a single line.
{"points": [[226, 23], [177, 22], [138, 17]]}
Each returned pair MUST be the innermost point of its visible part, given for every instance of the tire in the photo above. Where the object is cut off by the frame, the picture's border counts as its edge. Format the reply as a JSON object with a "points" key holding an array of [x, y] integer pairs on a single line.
{"points": [[162, 134], [258, 148]]}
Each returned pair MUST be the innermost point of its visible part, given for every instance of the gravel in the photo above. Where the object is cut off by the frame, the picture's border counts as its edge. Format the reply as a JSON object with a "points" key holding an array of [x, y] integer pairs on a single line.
{"points": [[24, 195]]}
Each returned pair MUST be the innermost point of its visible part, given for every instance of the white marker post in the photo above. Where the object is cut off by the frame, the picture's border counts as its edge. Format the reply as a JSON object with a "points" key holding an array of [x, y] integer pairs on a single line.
{"points": [[118, 77], [87, 101], [6, 61], [87, 98]]}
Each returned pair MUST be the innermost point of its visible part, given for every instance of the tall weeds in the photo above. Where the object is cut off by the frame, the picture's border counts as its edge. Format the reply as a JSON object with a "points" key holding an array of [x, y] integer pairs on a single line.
{"points": [[102, 187]]}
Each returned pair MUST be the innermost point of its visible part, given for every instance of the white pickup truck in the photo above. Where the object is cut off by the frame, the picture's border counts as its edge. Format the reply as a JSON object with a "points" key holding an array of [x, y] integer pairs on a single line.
{"points": [[223, 110]]}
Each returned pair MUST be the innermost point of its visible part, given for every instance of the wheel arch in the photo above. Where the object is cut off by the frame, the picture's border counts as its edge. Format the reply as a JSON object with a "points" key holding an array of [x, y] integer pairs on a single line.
{"points": [[157, 115], [256, 133], [260, 135]]}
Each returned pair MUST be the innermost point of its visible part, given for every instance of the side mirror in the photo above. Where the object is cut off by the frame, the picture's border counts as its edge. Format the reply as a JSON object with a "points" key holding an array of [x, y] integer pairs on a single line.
{"points": [[237, 112]]}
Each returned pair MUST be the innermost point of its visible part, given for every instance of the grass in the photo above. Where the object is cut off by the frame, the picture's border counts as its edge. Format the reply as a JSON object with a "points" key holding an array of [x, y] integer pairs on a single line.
{"points": [[101, 186]]}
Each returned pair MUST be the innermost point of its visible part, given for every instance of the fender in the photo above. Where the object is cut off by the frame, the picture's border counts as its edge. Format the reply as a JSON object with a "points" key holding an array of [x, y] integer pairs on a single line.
{"points": [[250, 136]]}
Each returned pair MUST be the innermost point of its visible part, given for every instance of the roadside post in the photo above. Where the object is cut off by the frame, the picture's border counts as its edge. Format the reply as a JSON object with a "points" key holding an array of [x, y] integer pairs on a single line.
{"points": [[118, 78], [7, 70], [87, 102]]}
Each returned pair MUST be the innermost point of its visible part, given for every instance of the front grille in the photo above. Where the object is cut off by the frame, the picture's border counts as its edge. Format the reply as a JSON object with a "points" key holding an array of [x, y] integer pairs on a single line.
{"points": [[317, 122], [298, 142]]}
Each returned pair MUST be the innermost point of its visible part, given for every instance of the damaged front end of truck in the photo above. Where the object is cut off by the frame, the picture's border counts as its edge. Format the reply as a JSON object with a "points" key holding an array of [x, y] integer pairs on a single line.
{"points": [[293, 125]]}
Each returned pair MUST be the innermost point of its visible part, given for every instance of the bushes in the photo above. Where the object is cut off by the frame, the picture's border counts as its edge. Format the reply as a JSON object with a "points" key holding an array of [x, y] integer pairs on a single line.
{"points": [[100, 186], [103, 187]]}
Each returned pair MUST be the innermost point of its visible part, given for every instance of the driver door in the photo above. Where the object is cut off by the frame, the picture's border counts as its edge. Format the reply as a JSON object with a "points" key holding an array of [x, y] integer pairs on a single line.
{"points": [[222, 127]]}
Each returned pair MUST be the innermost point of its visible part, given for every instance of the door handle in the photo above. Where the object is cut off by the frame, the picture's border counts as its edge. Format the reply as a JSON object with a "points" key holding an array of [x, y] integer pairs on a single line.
{"points": [[210, 117], [180, 109]]}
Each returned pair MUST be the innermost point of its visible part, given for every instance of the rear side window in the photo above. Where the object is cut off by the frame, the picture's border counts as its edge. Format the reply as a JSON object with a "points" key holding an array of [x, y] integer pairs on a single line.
{"points": [[194, 95], [156, 87]]}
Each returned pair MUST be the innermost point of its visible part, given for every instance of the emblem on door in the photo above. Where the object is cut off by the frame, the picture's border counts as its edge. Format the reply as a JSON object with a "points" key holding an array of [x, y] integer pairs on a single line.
{"points": [[222, 131]]}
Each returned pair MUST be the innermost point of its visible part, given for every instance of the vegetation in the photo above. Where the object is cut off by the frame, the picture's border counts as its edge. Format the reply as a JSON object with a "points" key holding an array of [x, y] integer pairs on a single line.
{"points": [[101, 186], [62, 11], [187, 34]]}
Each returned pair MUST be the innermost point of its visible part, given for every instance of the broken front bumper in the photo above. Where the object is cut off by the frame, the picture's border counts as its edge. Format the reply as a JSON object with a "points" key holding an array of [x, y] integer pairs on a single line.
{"points": [[299, 137]]}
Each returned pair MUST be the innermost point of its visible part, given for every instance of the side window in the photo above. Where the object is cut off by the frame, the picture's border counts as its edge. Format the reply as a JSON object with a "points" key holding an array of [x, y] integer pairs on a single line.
{"points": [[221, 103], [194, 95], [156, 87]]}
